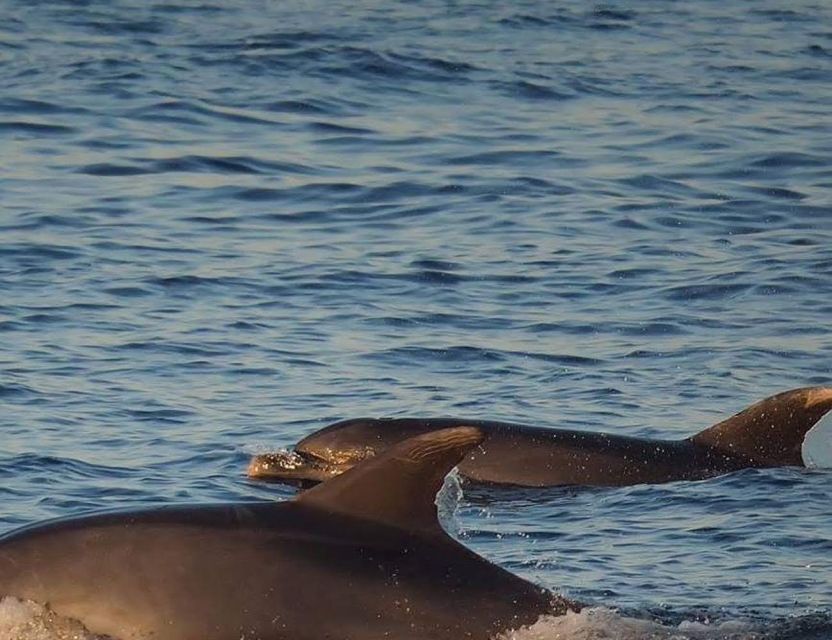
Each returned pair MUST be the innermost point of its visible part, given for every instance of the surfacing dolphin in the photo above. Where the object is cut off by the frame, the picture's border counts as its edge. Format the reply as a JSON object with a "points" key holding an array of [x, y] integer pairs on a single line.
{"points": [[769, 433], [360, 557]]}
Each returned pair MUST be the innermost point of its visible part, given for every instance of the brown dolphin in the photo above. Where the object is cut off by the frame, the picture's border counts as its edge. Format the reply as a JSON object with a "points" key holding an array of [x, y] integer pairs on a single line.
{"points": [[767, 434], [360, 557]]}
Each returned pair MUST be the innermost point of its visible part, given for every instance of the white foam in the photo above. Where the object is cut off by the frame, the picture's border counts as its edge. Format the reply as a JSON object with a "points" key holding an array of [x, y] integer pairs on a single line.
{"points": [[26, 620], [817, 444], [599, 623]]}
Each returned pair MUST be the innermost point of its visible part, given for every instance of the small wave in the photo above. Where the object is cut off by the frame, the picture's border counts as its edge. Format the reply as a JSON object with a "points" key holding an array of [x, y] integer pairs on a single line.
{"points": [[819, 51], [158, 346], [599, 18], [360, 61], [311, 191], [792, 159], [466, 354], [435, 265], [565, 360], [39, 252], [781, 15], [330, 127], [33, 463], [434, 64], [15, 390], [509, 157], [437, 276], [458, 354], [278, 40], [172, 416], [613, 14], [184, 281], [37, 220], [112, 25], [193, 164], [658, 184], [193, 112], [36, 128], [523, 21], [29, 106], [778, 192], [706, 292], [127, 292], [530, 90], [300, 106], [109, 169], [651, 329]]}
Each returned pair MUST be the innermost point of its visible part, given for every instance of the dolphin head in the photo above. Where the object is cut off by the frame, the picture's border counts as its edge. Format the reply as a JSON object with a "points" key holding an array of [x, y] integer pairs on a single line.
{"points": [[333, 450], [291, 467]]}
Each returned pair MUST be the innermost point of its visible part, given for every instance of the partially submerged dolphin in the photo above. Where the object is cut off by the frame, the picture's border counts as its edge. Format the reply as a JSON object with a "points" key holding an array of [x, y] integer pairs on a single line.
{"points": [[767, 434], [360, 557]]}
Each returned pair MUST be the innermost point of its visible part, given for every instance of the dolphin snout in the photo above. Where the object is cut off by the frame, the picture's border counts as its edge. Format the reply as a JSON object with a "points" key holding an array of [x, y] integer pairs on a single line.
{"points": [[266, 464], [290, 467]]}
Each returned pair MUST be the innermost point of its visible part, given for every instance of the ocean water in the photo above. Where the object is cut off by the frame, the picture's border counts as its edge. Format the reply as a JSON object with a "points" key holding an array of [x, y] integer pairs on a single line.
{"points": [[226, 224]]}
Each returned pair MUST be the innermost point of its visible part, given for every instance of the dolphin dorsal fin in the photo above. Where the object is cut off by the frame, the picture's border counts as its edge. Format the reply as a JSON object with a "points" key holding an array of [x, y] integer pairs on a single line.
{"points": [[397, 488], [770, 432]]}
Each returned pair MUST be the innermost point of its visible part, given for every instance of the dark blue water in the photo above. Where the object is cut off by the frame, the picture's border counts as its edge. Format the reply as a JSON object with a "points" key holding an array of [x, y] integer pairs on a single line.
{"points": [[225, 224]]}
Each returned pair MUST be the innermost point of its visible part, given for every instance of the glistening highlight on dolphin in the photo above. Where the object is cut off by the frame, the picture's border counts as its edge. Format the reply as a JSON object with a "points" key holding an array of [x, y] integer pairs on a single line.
{"points": [[767, 434], [360, 557]]}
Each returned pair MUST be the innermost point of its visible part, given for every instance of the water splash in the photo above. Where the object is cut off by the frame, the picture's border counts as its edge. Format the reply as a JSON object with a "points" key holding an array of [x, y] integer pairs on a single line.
{"points": [[817, 445], [447, 504], [599, 623], [27, 620]]}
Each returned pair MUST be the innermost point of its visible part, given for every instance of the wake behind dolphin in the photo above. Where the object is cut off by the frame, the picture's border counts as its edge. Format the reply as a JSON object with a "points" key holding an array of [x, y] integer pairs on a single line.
{"points": [[358, 558], [770, 433]]}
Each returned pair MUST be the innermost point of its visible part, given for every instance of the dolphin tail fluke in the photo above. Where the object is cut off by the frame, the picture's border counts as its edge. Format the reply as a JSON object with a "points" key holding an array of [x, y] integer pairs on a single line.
{"points": [[398, 488], [770, 432]]}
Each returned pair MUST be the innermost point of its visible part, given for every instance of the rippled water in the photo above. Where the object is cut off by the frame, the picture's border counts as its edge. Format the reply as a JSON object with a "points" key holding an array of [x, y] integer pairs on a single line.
{"points": [[226, 224]]}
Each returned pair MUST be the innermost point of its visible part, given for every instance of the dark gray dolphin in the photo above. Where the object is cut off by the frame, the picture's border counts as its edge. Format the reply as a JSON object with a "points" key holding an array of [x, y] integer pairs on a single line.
{"points": [[767, 434], [360, 557]]}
